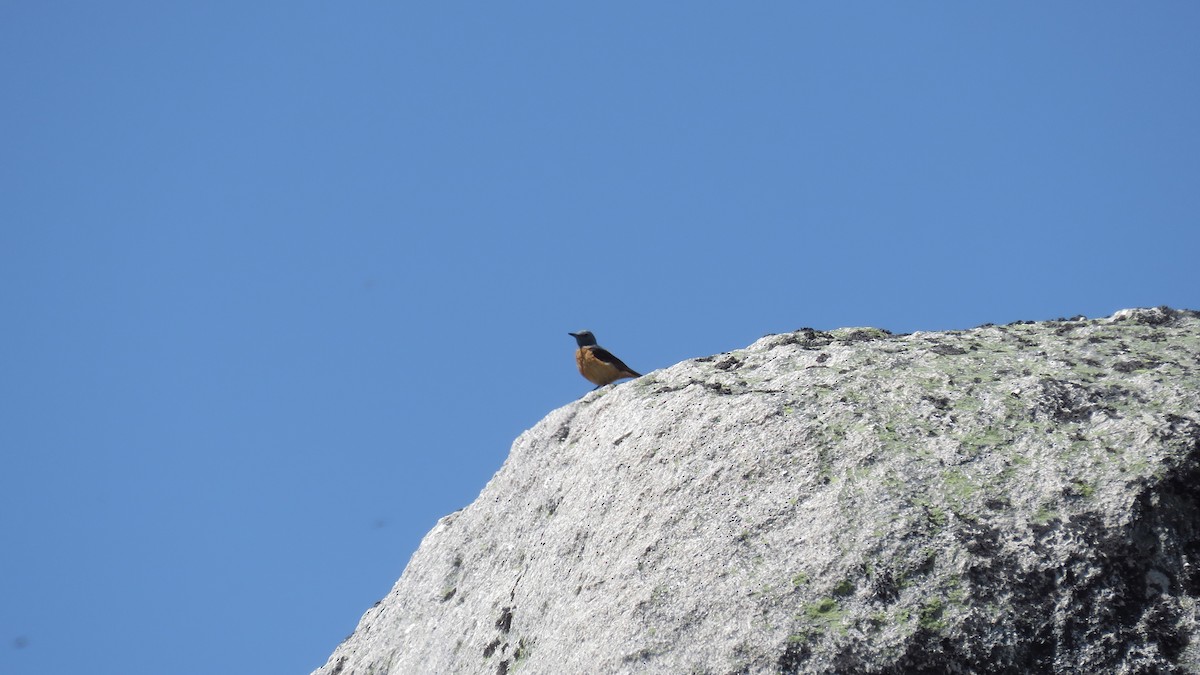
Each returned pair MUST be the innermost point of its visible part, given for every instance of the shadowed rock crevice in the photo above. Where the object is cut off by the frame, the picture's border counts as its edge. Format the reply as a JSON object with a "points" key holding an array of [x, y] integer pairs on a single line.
{"points": [[1010, 499]]}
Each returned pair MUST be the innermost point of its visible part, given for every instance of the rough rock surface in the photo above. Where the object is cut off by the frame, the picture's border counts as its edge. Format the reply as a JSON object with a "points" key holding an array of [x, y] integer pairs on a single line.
{"points": [[1019, 498]]}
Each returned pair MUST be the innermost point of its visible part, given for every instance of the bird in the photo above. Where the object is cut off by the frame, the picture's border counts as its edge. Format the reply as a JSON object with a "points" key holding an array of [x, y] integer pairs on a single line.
{"points": [[596, 363]]}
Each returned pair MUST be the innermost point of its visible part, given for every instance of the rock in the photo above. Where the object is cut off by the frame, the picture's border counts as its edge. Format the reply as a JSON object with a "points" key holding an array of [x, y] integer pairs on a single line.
{"points": [[1017, 498]]}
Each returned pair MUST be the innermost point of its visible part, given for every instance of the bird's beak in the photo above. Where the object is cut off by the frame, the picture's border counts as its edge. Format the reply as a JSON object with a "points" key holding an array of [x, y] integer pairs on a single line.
{"points": [[572, 334]]}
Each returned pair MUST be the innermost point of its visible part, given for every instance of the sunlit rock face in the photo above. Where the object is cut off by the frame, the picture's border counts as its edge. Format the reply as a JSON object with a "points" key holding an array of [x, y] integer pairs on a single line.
{"points": [[1017, 498]]}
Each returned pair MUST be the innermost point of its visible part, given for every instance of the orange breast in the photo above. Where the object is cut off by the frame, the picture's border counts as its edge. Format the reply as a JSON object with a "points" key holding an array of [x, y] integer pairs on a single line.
{"points": [[596, 371]]}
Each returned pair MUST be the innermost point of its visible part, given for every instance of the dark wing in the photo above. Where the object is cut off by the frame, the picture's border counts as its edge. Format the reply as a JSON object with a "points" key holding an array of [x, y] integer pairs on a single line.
{"points": [[606, 356]]}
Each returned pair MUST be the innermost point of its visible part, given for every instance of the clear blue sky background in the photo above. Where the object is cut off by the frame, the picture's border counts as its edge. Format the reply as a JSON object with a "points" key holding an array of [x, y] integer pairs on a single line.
{"points": [[282, 281]]}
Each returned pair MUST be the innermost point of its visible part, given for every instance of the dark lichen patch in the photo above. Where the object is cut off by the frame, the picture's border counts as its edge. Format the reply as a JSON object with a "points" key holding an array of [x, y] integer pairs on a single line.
{"points": [[491, 648], [861, 335], [947, 350], [643, 654], [883, 587], [504, 623], [718, 387], [562, 432], [941, 403], [551, 505], [729, 362], [794, 655], [978, 537], [1134, 365], [805, 338], [997, 503], [1070, 402]]}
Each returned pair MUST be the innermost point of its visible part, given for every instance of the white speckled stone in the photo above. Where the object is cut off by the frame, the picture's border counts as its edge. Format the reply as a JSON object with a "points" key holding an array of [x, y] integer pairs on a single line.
{"points": [[1013, 498]]}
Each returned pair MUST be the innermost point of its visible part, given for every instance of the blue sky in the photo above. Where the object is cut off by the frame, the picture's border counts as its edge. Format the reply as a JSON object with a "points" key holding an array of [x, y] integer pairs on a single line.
{"points": [[283, 281]]}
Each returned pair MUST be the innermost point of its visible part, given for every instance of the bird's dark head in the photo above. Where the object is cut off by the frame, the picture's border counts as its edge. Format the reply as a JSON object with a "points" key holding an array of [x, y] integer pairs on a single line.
{"points": [[584, 338]]}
